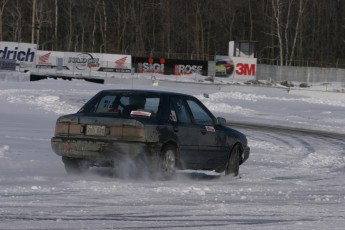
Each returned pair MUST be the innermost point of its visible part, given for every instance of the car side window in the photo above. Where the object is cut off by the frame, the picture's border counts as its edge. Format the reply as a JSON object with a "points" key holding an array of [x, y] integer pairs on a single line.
{"points": [[152, 104], [178, 111], [105, 104], [201, 116]]}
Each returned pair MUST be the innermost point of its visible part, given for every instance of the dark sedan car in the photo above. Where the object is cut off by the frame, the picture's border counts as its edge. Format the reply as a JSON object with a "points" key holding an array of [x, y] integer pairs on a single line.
{"points": [[162, 130]]}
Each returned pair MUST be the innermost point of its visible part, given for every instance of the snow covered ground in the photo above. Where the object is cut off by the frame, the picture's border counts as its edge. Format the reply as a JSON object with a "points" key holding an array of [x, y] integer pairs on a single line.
{"points": [[292, 180]]}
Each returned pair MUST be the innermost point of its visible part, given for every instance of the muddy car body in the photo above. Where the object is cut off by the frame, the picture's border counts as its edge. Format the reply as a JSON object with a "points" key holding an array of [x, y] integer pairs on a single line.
{"points": [[169, 130]]}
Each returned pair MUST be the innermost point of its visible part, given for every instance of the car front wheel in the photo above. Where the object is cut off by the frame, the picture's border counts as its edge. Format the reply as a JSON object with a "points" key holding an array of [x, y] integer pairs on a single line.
{"points": [[233, 165], [74, 166], [167, 162]]}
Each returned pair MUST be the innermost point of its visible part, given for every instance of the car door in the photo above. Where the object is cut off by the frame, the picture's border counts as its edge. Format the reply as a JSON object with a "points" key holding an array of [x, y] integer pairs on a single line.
{"points": [[185, 131], [212, 141]]}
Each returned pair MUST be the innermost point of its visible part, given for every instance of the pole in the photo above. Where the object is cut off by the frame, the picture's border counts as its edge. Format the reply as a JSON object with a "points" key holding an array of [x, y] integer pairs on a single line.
{"points": [[33, 21]]}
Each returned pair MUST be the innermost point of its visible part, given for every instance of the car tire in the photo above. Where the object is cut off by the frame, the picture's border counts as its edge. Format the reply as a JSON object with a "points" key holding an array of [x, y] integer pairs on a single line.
{"points": [[233, 165], [167, 162], [74, 166]]}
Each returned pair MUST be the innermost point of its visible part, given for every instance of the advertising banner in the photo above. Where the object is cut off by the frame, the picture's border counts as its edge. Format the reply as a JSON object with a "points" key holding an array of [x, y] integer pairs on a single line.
{"points": [[26, 56], [98, 62], [83, 62], [49, 60], [7, 64], [169, 66], [235, 68], [23, 53], [116, 63]]}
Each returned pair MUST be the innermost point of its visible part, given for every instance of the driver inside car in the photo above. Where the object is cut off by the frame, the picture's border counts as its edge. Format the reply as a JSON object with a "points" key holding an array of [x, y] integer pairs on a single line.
{"points": [[135, 102]]}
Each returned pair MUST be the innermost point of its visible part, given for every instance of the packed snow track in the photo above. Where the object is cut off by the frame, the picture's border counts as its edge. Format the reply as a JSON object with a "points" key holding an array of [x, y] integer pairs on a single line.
{"points": [[289, 179], [293, 179]]}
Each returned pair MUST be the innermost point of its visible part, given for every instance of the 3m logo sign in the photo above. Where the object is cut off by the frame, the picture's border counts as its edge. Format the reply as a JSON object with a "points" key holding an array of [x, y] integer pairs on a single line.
{"points": [[245, 69]]}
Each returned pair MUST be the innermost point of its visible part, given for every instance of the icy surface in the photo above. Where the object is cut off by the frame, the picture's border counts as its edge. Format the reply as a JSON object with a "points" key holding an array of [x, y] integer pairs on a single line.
{"points": [[291, 180]]}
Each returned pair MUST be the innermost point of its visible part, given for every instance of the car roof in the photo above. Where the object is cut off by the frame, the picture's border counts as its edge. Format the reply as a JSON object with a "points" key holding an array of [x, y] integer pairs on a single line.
{"points": [[144, 91]]}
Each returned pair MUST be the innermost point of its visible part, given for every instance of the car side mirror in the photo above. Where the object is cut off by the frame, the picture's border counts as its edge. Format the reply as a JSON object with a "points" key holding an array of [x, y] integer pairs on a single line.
{"points": [[221, 121]]}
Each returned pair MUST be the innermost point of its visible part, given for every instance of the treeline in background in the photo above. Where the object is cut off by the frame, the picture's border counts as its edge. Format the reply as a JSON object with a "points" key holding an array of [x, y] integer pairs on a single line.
{"points": [[285, 32]]}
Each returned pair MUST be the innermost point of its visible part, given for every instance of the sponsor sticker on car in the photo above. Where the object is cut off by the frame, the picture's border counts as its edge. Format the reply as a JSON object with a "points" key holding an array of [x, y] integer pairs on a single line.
{"points": [[210, 129], [140, 113]]}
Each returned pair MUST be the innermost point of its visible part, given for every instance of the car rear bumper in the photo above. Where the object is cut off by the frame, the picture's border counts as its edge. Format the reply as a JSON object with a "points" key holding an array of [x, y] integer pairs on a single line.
{"points": [[94, 150]]}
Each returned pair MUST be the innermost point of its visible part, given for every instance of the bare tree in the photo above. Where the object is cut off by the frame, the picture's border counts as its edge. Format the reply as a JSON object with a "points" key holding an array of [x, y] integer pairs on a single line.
{"points": [[277, 11], [104, 27], [14, 20], [286, 30], [250, 20], [70, 4], [56, 24], [2, 7], [191, 29], [301, 7]]}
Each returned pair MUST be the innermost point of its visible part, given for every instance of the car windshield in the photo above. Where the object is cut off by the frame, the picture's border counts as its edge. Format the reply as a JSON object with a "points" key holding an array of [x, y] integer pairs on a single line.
{"points": [[124, 105]]}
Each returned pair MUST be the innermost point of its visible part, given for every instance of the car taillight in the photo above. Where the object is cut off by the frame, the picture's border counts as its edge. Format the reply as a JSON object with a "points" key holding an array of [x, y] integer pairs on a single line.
{"points": [[127, 132], [61, 129], [75, 129], [66, 129], [133, 132], [116, 131]]}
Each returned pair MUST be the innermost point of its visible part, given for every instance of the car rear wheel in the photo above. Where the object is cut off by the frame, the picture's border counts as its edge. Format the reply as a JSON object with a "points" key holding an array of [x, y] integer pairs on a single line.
{"points": [[167, 162], [74, 166], [233, 165]]}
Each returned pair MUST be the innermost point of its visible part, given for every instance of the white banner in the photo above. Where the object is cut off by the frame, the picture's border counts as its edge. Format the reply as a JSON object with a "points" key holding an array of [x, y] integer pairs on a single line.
{"points": [[235, 68], [23, 53], [83, 63]]}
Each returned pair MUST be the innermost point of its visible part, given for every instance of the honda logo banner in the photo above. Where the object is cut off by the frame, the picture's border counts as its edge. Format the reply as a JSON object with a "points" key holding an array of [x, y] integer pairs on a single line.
{"points": [[84, 62]]}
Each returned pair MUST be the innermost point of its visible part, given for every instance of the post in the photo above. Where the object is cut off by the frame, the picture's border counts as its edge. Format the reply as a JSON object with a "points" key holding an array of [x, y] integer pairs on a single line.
{"points": [[33, 25], [37, 27]]}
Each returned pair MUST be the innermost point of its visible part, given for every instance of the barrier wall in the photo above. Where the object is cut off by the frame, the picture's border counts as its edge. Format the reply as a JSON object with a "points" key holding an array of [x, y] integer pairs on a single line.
{"points": [[299, 74], [26, 57]]}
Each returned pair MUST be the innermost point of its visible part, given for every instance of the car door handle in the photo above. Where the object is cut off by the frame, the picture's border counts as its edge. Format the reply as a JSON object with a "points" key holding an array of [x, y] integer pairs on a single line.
{"points": [[175, 129], [203, 131]]}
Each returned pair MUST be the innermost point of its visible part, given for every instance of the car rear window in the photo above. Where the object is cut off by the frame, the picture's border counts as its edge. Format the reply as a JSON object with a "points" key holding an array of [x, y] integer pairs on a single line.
{"points": [[124, 105]]}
